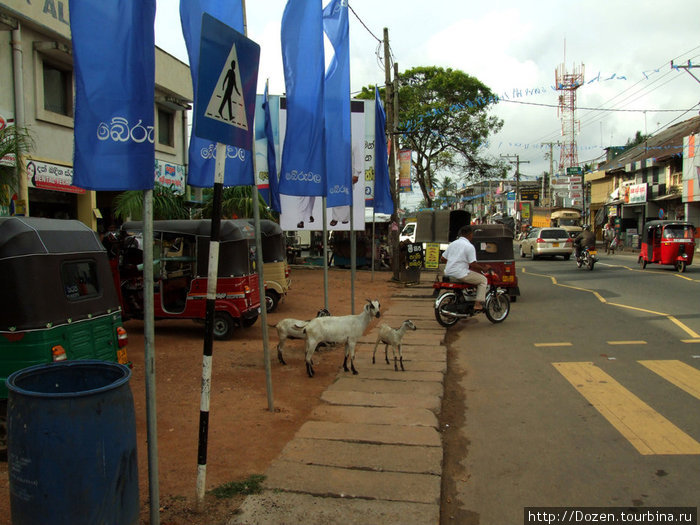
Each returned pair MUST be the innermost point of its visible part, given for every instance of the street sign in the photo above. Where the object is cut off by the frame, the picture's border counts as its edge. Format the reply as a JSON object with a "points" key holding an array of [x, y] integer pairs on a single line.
{"points": [[576, 170], [576, 179], [227, 81]]}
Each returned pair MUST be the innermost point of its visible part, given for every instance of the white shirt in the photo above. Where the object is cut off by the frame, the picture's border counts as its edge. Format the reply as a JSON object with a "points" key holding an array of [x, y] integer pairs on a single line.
{"points": [[459, 254]]}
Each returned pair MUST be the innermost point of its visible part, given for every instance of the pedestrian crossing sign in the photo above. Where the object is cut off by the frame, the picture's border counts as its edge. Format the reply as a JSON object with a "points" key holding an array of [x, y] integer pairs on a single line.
{"points": [[227, 82]]}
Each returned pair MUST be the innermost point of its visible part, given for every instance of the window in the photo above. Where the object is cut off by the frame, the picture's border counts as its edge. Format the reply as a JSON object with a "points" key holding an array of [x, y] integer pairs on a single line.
{"points": [[80, 280], [166, 127], [58, 89], [554, 234]]}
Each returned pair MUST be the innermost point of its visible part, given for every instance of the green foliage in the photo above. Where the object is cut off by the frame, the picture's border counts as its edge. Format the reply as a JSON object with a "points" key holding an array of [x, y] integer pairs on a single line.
{"points": [[252, 485], [237, 201], [17, 141], [443, 114], [166, 205]]}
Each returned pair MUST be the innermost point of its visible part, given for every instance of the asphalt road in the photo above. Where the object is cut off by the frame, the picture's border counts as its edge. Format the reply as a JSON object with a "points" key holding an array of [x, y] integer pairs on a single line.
{"points": [[587, 395]]}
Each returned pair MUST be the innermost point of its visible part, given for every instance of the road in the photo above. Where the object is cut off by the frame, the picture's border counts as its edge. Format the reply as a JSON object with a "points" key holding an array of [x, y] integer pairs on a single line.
{"points": [[587, 395]]}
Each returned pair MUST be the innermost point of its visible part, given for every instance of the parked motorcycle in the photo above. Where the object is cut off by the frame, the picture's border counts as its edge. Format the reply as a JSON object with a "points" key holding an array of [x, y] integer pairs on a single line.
{"points": [[456, 301], [587, 258]]}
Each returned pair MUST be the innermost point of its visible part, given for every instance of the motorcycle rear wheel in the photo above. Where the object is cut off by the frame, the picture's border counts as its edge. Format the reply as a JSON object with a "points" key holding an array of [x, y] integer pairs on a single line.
{"points": [[441, 317], [497, 307]]}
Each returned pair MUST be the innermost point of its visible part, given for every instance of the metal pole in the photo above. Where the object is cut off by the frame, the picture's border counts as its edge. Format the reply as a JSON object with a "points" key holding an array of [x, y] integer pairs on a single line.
{"points": [[212, 277], [259, 258], [261, 287], [325, 255], [17, 70], [150, 358], [374, 216], [353, 261]]}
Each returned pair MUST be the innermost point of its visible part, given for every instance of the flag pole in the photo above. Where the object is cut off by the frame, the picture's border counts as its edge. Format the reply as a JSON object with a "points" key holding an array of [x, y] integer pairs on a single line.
{"points": [[150, 358]]}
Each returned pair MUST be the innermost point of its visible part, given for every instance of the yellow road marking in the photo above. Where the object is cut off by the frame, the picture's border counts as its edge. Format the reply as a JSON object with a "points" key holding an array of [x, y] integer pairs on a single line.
{"points": [[626, 342], [671, 318], [690, 340], [552, 344], [680, 374], [647, 430]]}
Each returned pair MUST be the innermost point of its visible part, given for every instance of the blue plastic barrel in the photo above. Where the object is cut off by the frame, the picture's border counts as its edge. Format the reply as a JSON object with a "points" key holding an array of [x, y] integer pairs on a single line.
{"points": [[72, 445]]}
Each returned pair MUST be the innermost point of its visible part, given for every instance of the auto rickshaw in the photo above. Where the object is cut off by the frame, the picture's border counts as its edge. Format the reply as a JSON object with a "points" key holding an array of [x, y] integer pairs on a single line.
{"points": [[667, 242], [181, 260], [494, 248], [59, 300], [275, 267]]}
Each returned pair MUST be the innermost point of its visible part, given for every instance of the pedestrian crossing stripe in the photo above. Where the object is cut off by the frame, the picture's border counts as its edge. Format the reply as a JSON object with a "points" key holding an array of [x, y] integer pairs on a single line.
{"points": [[227, 103], [647, 430], [678, 373]]}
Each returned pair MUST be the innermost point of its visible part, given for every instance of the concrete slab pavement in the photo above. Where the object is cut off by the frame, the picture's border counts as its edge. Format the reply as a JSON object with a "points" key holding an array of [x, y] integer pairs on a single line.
{"points": [[372, 452]]}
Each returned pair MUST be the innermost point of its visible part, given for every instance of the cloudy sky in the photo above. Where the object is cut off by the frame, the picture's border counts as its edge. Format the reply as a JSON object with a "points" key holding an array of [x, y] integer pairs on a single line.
{"points": [[623, 48]]}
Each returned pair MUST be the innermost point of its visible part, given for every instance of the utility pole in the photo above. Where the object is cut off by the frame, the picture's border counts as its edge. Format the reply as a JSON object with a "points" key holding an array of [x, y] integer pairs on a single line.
{"points": [[551, 169], [687, 69], [391, 120], [517, 163]]}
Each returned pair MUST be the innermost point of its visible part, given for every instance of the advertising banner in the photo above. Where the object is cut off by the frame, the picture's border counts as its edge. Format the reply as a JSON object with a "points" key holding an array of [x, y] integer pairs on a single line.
{"points": [[46, 176], [405, 171]]}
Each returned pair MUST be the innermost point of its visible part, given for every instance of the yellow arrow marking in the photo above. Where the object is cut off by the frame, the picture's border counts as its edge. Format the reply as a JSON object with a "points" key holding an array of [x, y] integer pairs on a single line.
{"points": [[647, 430]]}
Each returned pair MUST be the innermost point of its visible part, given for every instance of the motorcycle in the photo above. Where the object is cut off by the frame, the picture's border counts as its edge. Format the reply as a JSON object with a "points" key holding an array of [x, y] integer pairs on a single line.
{"points": [[456, 301], [586, 258]]}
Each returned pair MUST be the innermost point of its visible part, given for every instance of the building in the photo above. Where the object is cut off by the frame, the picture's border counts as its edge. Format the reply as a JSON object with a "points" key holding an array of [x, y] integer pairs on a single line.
{"points": [[36, 68], [648, 182]]}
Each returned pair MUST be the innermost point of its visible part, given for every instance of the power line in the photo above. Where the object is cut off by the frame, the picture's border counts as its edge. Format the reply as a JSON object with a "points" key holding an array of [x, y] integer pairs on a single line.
{"points": [[595, 109], [363, 24]]}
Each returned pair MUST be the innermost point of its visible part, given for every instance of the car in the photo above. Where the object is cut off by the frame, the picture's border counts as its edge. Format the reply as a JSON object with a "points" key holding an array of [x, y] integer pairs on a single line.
{"points": [[548, 242]]}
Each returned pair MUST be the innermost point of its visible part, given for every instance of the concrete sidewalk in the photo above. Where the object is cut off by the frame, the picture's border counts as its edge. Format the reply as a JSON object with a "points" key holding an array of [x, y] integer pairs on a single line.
{"points": [[372, 452]]}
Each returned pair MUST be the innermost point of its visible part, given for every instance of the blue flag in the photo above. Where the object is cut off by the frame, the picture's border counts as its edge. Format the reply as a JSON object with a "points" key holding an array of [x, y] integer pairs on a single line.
{"points": [[202, 152], [274, 191], [383, 203], [337, 106], [303, 168], [114, 65]]}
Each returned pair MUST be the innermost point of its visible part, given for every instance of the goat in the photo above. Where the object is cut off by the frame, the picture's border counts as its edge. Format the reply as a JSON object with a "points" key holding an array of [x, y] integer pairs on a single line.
{"points": [[389, 336], [292, 329], [342, 329]]}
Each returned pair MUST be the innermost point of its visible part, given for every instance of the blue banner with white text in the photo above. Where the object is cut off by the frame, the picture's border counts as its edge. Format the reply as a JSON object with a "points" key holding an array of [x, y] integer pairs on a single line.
{"points": [[303, 170], [383, 203], [337, 106], [273, 190], [202, 152], [114, 68]]}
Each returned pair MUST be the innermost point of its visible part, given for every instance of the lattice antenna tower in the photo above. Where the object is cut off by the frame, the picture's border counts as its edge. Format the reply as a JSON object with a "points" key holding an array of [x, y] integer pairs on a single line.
{"points": [[567, 84]]}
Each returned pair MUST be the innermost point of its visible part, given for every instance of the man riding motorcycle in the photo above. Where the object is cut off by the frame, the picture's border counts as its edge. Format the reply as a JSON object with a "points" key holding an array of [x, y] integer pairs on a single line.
{"points": [[585, 239]]}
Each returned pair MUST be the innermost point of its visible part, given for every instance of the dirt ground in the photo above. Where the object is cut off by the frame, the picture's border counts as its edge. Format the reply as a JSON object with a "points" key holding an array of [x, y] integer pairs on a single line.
{"points": [[244, 435]]}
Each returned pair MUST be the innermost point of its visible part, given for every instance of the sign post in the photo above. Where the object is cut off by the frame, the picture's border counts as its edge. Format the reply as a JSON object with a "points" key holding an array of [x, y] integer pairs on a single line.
{"points": [[225, 107]]}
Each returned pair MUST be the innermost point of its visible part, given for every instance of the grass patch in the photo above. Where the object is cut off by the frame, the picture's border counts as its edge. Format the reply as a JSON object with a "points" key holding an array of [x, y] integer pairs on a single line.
{"points": [[252, 485]]}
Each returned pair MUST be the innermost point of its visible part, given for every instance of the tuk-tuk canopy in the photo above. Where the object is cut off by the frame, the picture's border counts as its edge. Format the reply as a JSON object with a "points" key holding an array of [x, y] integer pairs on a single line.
{"points": [[272, 239], [33, 235], [52, 272], [236, 239], [493, 242], [230, 230]]}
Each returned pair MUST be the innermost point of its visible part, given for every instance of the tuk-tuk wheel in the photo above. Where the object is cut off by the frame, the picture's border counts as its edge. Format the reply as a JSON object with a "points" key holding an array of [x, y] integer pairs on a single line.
{"points": [[223, 326], [642, 263], [272, 299], [680, 266]]}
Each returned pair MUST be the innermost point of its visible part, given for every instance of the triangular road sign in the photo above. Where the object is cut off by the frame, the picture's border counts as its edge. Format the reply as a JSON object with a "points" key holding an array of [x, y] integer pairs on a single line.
{"points": [[227, 102]]}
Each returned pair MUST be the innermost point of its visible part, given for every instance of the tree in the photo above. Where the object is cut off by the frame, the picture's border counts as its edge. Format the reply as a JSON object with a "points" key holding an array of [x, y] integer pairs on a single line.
{"points": [[237, 201], [166, 204], [18, 142], [443, 119]]}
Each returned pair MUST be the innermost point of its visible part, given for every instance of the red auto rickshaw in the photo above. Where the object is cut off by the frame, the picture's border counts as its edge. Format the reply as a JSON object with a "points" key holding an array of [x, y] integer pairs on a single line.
{"points": [[181, 260], [668, 242]]}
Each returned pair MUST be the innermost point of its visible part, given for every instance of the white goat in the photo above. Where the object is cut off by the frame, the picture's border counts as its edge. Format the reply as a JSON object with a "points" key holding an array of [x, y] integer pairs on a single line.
{"points": [[342, 329], [292, 329], [389, 336]]}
